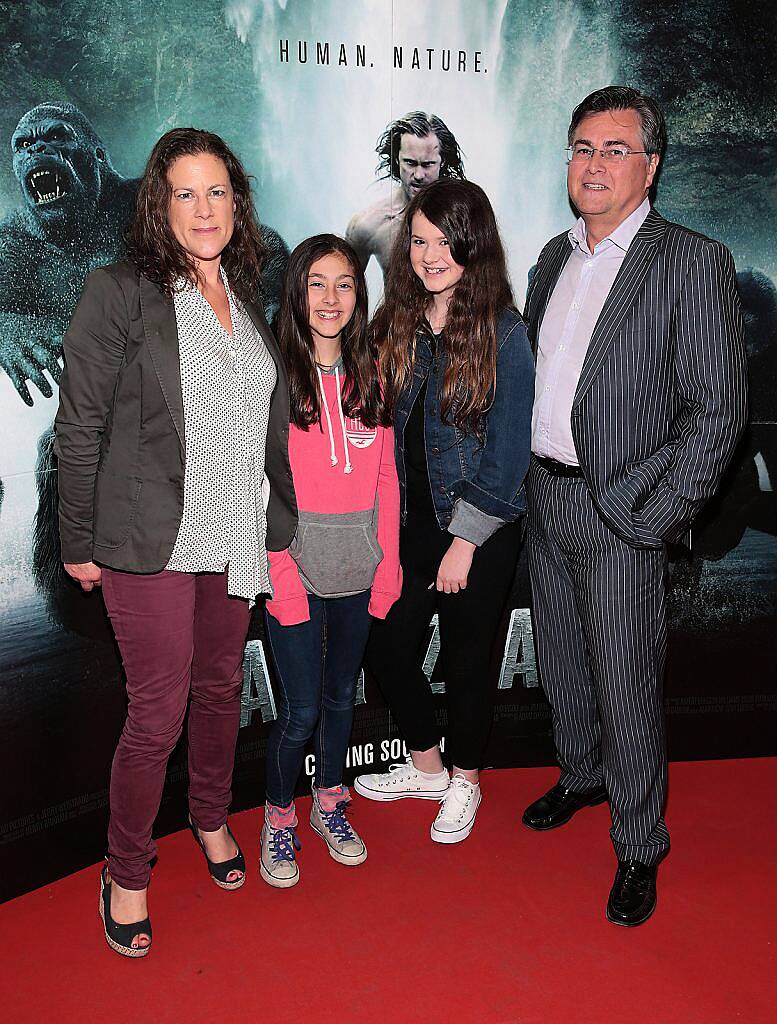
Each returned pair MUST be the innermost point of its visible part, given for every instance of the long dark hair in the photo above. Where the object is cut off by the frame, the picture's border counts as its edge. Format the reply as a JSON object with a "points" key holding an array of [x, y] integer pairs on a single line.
{"points": [[362, 394], [462, 212], [151, 245], [419, 124]]}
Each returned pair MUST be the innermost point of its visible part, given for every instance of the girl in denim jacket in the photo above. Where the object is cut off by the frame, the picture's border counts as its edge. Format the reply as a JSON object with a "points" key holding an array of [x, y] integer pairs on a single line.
{"points": [[459, 381]]}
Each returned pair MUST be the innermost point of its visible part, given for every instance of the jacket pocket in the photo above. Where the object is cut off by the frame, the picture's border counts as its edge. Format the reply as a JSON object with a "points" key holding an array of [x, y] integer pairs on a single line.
{"points": [[642, 478], [337, 555], [116, 501]]}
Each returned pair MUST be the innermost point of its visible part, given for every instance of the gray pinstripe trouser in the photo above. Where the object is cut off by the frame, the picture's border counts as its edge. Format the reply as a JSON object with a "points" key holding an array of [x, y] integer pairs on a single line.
{"points": [[600, 631]]}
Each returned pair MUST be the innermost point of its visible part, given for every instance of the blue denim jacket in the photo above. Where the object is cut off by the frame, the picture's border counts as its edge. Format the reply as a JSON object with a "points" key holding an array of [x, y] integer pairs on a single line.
{"points": [[477, 485]]}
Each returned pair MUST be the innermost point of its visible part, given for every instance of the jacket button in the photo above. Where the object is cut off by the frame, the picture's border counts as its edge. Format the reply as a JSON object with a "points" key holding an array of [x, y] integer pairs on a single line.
{"points": [[443, 491], [435, 451]]}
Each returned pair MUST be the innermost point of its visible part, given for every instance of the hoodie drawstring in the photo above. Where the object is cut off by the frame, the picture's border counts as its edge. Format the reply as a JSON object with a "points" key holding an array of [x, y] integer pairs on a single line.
{"points": [[332, 454], [348, 466]]}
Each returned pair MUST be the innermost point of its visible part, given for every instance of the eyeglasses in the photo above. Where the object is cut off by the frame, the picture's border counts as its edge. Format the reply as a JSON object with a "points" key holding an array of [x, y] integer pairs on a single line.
{"points": [[611, 155]]}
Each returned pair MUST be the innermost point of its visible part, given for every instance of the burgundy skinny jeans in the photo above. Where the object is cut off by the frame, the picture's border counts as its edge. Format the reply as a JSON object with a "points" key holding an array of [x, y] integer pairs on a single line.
{"points": [[180, 636]]}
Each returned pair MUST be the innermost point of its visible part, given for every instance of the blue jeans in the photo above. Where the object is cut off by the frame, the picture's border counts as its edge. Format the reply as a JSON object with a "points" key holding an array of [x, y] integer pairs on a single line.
{"points": [[317, 665]]}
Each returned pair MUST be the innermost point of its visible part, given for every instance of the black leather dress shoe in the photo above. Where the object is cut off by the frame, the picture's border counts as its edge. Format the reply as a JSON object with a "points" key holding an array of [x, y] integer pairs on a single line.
{"points": [[633, 894], [558, 805]]}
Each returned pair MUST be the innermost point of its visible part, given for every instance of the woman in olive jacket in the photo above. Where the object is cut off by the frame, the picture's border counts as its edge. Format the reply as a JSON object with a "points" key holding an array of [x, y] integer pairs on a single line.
{"points": [[174, 479]]}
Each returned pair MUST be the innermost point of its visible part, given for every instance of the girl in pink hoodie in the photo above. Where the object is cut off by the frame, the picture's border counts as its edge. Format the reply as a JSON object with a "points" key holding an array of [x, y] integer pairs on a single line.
{"points": [[342, 567]]}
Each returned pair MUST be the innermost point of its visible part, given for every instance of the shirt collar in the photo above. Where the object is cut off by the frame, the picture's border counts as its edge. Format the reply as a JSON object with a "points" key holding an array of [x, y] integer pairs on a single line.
{"points": [[622, 236], [185, 284], [329, 371]]}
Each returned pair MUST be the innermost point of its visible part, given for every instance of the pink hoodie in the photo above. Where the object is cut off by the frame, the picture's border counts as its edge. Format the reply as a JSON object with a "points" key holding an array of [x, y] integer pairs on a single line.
{"points": [[347, 539]]}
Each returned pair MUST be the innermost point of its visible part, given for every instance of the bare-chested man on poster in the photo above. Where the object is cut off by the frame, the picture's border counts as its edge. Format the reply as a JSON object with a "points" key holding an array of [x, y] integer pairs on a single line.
{"points": [[414, 150]]}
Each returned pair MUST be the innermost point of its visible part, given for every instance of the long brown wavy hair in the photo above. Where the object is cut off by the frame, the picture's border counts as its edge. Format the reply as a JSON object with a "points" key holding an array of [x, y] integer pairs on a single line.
{"points": [[151, 245], [362, 396], [462, 212]]}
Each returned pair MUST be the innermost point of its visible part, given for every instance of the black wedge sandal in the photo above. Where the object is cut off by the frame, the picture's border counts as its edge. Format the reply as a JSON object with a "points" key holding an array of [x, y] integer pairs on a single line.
{"points": [[220, 872], [119, 936]]}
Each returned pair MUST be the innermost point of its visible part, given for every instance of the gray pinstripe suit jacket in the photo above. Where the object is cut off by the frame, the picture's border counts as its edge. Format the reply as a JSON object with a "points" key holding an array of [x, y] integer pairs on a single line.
{"points": [[662, 395]]}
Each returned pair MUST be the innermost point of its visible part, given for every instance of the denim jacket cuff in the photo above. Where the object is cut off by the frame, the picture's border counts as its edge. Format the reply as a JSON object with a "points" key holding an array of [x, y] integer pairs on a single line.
{"points": [[471, 524]]}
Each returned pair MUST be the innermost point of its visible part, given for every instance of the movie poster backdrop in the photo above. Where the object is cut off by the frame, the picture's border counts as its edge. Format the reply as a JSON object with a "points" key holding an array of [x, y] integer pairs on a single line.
{"points": [[305, 91]]}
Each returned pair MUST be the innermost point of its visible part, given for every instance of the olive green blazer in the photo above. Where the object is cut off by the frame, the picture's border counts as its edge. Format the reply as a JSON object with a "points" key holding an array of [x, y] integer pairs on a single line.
{"points": [[120, 428]]}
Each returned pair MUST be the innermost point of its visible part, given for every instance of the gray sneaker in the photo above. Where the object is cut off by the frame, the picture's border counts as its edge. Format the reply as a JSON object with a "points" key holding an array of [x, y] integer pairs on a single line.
{"points": [[344, 843], [278, 860]]}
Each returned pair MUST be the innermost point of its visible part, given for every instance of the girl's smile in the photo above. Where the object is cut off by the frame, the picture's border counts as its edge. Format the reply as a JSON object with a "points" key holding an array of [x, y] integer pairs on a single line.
{"points": [[331, 296]]}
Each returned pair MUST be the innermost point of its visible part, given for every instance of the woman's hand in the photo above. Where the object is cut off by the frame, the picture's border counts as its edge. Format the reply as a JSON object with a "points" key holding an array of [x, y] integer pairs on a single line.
{"points": [[87, 574], [454, 568]]}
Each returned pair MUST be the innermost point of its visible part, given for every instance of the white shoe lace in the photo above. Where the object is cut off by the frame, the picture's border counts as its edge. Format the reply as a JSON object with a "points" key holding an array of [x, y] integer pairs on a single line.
{"points": [[393, 774], [456, 801]]}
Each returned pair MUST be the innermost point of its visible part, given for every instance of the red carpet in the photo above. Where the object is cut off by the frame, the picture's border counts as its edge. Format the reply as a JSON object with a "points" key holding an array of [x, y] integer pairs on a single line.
{"points": [[506, 928]]}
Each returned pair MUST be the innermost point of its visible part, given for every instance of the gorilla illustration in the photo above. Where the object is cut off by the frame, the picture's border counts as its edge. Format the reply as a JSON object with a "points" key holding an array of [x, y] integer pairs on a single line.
{"points": [[74, 210], [74, 207], [747, 496], [748, 493]]}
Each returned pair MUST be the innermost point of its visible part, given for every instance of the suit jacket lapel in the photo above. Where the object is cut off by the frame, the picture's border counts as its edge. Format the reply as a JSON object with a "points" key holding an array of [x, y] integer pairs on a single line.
{"points": [[546, 278], [619, 302], [158, 313]]}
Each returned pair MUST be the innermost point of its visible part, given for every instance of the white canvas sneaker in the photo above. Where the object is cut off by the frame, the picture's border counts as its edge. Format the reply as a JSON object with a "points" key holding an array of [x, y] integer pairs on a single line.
{"points": [[403, 780], [456, 817]]}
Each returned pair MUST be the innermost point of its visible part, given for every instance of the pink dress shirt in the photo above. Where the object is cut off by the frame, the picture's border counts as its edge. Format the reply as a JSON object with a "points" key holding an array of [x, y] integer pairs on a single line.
{"points": [[569, 322]]}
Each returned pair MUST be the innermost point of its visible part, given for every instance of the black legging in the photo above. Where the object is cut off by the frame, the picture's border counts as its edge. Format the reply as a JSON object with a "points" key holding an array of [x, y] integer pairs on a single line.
{"points": [[468, 624]]}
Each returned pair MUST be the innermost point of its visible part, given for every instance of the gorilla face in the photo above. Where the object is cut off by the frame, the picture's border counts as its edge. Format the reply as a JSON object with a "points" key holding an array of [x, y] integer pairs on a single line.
{"points": [[57, 160]]}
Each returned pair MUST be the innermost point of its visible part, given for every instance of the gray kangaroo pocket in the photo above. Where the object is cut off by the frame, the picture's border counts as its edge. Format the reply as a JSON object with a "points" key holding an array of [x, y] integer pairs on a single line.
{"points": [[337, 555]]}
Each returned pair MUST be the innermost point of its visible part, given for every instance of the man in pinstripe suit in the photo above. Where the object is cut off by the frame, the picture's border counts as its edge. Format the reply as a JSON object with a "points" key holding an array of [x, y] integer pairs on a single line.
{"points": [[640, 399]]}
